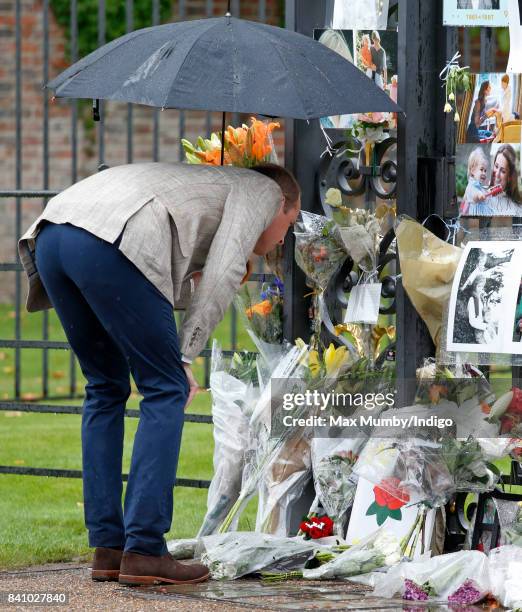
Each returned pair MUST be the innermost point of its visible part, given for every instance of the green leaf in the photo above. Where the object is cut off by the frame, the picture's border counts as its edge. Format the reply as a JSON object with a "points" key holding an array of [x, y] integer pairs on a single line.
{"points": [[396, 514], [382, 514], [372, 509]]}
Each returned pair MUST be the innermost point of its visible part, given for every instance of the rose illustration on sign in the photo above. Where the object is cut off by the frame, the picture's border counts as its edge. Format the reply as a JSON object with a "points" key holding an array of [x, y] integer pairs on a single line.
{"points": [[389, 499]]}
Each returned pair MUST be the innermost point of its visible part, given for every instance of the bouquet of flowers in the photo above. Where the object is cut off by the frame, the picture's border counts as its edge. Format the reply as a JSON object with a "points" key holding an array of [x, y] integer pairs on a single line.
{"points": [[511, 533], [460, 578], [262, 315], [268, 444], [335, 484], [319, 249], [378, 550], [245, 146], [429, 471], [232, 555], [234, 390]]}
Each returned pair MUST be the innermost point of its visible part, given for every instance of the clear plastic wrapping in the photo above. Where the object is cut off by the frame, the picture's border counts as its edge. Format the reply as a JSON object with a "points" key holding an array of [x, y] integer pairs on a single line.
{"points": [[335, 483], [283, 484], [426, 471], [232, 555], [233, 399], [319, 249], [380, 549], [460, 578], [505, 570]]}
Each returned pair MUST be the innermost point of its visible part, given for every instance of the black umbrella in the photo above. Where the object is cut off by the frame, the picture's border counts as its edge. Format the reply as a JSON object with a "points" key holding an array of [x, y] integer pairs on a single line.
{"points": [[224, 64]]}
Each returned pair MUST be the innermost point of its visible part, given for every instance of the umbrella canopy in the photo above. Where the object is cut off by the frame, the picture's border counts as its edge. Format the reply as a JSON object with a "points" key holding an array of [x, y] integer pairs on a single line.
{"points": [[224, 64]]}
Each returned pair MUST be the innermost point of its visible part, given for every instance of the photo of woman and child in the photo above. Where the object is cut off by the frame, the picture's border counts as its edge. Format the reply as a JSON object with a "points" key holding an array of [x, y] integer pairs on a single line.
{"points": [[488, 180], [492, 111]]}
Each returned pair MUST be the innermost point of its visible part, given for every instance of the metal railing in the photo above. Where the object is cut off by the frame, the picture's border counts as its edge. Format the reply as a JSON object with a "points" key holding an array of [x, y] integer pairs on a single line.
{"points": [[19, 192]]}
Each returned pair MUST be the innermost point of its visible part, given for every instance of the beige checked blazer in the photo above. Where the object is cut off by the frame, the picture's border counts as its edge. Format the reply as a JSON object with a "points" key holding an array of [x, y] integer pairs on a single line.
{"points": [[176, 219]]}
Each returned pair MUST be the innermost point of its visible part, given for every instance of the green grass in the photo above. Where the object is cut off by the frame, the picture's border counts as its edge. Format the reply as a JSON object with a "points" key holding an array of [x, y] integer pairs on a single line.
{"points": [[41, 518]]}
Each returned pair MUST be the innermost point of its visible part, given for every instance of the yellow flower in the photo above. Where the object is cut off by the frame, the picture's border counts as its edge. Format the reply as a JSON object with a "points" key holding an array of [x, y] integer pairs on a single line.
{"points": [[314, 364], [334, 358]]}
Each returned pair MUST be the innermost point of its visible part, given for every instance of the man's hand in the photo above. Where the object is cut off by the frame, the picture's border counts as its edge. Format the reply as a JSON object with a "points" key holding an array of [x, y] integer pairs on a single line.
{"points": [[192, 384]]}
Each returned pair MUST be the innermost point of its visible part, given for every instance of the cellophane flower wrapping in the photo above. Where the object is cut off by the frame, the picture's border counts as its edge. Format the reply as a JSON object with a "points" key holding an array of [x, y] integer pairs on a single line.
{"points": [[361, 235], [261, 313], [319, 249], [505, 571], [335, 483], [378, 550], [283, 484], [232, 555], [268, 445], [427, 471], [459, 578], [234, 391], [182, 549], [510, 519]]}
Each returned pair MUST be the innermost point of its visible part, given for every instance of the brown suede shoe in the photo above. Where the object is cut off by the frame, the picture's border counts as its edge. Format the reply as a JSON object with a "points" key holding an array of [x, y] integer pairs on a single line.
{"points": [[106, 564], [137, 569]]}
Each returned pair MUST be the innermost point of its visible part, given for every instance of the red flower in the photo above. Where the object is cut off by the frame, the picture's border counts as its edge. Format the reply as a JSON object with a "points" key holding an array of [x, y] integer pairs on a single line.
{"points": [[317, 527], [390, 495]]}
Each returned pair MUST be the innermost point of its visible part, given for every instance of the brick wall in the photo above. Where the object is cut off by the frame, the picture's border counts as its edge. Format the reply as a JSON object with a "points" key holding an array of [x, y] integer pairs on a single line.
{"points": [[60, 143]]}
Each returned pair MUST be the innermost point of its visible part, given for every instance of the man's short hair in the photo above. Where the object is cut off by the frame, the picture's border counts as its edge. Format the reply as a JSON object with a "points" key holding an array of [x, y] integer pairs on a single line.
{"points": [[285, 179]]}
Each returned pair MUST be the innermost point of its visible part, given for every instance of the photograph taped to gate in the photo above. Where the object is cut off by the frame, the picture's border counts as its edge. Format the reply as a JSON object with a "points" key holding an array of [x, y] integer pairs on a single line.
{"points": [[374, 52], [488, 182], [492, 13], [484, 299], [355, 14], [492, 110]]}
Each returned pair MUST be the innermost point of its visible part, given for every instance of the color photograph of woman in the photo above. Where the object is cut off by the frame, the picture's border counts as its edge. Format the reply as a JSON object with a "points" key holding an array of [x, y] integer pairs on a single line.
{"points": [[488, 181], [491, 111]]}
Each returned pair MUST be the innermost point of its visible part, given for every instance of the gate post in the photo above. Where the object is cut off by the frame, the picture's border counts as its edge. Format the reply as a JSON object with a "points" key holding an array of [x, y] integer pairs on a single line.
{"points": [[423, 135]]}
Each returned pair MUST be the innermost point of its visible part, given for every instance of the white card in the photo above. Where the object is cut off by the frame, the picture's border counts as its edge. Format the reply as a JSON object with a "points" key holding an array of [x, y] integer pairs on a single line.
{"points": [[363, 304]]}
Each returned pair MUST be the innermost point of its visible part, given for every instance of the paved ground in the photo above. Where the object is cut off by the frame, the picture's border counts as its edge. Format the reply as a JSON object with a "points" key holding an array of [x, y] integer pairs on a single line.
{"points": [[84, 594]]}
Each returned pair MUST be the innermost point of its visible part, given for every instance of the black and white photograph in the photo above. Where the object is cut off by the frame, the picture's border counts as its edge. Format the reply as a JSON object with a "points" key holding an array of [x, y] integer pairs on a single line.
{"points": [[484, 298], [493, 13]]}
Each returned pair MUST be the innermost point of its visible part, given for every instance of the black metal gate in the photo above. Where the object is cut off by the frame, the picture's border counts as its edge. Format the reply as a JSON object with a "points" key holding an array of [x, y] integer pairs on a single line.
{"points": [[185, 9]]}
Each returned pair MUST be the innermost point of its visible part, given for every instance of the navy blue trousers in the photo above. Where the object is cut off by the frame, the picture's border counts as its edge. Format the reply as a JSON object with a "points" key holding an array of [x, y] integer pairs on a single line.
{"points": [[118, 323]]}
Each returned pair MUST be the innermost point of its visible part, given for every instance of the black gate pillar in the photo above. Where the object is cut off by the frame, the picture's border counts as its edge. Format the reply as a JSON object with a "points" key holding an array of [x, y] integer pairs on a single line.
{"points": [[303, 146], [424, 47]]}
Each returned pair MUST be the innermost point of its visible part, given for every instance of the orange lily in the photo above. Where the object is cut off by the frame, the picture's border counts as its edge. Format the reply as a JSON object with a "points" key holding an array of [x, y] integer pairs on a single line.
{"points": [[262, 308]]}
